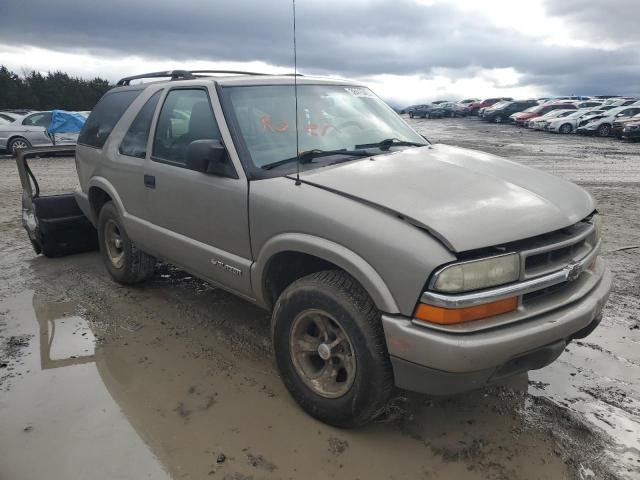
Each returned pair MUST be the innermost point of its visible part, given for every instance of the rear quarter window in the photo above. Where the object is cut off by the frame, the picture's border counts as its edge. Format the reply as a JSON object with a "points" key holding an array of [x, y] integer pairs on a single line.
{"points": [[104, 117]]}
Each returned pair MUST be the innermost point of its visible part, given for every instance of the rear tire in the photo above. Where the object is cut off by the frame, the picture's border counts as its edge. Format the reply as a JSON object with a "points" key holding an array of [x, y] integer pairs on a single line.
{"points": [[565, 128], [125, 263], [338, 373], [16, 144]]}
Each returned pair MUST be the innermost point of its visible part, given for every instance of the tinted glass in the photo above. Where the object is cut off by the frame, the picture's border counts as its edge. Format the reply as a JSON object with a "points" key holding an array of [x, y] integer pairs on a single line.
{"points": [[134, 143], [38, 119], [104, 117], [186, 116]]}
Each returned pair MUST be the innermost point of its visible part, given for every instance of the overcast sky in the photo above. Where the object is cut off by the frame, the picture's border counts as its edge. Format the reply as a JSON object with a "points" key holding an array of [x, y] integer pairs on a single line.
{"points": [[408, 51]]}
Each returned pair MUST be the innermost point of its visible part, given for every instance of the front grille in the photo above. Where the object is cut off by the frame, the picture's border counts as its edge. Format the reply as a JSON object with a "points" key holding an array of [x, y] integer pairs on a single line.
{"points": [[554, 251], [552, 260], [539, 294]]}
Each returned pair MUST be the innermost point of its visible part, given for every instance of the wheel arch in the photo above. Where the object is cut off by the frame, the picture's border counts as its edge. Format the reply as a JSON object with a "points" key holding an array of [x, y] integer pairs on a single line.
{"points": [[99, 192], [16, 136], [287, 257]]}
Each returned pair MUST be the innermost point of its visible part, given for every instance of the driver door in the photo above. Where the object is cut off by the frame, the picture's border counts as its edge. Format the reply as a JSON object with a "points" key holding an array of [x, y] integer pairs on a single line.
{"points": [[199, 221]]}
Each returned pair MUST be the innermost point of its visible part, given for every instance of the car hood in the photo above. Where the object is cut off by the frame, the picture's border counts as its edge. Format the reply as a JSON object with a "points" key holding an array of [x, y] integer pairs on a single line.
{"points": [[467, 199], [526, 115]]}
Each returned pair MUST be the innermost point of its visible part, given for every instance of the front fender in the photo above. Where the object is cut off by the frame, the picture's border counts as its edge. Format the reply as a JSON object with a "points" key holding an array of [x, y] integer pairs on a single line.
{"points": [[329, 251]]}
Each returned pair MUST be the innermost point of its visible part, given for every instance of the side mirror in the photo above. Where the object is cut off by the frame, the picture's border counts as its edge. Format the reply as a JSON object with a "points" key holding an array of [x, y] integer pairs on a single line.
{"points": [[209, 156]]}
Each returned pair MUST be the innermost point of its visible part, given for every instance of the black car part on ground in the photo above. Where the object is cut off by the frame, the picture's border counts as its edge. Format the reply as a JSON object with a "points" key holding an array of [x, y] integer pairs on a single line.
{"points": [[54, 223]]}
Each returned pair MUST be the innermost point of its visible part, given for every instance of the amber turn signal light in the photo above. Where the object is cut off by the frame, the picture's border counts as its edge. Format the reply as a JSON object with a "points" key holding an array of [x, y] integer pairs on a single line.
{"points": [[449, 316]]}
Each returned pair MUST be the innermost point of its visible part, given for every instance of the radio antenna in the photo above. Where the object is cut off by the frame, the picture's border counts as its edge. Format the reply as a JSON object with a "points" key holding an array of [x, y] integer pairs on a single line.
{"points": [[295, 92]]}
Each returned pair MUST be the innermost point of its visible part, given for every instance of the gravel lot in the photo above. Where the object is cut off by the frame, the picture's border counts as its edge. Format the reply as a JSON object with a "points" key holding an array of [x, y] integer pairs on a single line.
{"points": [[175, 379]]}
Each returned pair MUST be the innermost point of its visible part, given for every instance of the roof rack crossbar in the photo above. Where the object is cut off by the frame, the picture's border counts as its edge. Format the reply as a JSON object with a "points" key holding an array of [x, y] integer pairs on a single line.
{"points": [[184, 75]]}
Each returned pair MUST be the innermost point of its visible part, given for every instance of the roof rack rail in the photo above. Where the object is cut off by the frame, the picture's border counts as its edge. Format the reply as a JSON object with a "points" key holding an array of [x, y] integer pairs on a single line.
{"points": [[234, 72], [181, 75], [172, 74]]}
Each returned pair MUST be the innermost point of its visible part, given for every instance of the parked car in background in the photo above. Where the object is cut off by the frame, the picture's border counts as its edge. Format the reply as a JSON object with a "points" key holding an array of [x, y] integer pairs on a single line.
{"points": [[427, 111], [569, 123], [9, 117], [631, 131], [540, 123], [502, 111], [601, 124], [468, 101], [619, 123], [476, 106], [539, 110], [408, 109], [588, 104], [451, 109], [621, 102], [31, 131], [21, 112]]}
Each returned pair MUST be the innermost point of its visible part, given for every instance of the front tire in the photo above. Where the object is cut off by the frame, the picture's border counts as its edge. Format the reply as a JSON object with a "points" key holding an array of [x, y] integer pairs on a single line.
{"points": [[604, 130], [330, 349], [125, 263], [498, 119]]}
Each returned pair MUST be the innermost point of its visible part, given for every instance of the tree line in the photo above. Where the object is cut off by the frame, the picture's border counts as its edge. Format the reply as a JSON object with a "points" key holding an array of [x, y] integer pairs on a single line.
{"points": [[36, 91]]}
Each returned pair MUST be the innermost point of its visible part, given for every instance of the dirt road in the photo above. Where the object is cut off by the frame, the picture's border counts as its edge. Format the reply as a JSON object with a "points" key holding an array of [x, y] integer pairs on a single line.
{"points": [[175, 379]]}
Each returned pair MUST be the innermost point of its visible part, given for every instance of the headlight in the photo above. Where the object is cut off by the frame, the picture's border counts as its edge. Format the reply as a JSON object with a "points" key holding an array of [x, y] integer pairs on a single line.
{"points": [[477, 274]]}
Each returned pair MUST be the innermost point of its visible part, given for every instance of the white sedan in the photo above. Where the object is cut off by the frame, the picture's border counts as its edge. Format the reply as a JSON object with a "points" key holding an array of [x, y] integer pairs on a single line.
{"points": [[569, 123]]}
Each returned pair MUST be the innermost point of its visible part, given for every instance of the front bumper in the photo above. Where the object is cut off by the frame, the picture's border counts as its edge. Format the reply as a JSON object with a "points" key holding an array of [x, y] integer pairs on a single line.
{"points": [[587, 130], [440, 362], [631, 134]]}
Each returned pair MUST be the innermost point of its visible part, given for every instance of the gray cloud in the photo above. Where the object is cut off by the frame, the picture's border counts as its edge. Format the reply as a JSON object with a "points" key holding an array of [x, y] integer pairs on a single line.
{"points": [[606, 20], [350, 39]]}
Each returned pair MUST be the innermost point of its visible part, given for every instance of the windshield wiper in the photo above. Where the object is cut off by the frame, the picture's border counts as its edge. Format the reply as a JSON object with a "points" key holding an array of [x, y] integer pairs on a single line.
{"points": [[309, 155], [387, 143]]}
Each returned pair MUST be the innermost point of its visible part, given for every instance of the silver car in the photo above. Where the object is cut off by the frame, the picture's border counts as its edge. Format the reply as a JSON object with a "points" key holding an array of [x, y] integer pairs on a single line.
{"points": [[31, 131], [385, 259]]}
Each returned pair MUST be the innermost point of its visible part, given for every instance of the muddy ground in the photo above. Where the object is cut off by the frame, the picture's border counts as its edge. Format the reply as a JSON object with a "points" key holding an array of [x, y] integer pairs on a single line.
{"points": [[175, 379]]}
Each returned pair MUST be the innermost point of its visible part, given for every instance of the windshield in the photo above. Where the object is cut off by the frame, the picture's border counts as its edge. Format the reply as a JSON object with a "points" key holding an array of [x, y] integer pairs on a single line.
{"points": [[330, 117]]}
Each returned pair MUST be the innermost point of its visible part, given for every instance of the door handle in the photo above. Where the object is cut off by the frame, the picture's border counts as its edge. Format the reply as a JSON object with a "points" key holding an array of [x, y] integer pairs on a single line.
{"points": [[150, 181]]}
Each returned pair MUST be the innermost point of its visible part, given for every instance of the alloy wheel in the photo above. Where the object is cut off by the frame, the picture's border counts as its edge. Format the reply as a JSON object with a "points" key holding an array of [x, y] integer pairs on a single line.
{"points": [[18, 145], [114, 243], [322, 353]]}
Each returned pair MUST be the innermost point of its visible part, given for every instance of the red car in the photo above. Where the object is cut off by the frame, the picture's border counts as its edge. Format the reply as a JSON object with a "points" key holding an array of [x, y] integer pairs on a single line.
{"points": [[521, 117], [475, 106]]}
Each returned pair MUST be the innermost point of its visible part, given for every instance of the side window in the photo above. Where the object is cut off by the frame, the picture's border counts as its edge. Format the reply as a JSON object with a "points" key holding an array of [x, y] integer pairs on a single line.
{"points": [[186, 116], [38, 120], [104, 117], [134, 143]]}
